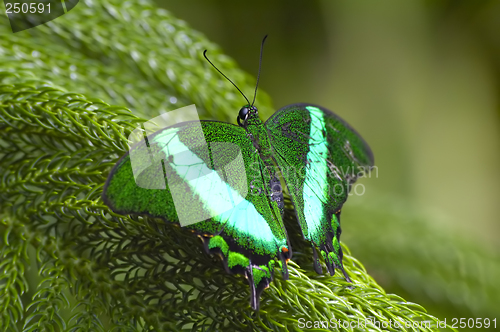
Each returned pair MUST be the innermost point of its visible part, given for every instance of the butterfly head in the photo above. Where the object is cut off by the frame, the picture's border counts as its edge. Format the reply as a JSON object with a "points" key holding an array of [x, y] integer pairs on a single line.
{"points": [[246, 112]]}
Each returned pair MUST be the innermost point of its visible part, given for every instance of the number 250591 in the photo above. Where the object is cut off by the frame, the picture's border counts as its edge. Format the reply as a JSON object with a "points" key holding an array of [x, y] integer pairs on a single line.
{"points": [[25, 8], [473, 323]]}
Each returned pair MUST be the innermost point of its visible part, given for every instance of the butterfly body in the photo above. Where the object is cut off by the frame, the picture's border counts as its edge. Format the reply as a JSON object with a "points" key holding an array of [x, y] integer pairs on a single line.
{"points": [[258, 134]]}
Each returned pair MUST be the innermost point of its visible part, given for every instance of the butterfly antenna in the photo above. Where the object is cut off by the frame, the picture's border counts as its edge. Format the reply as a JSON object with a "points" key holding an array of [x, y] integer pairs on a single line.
{"points": [[210, 62], [260, 66]]}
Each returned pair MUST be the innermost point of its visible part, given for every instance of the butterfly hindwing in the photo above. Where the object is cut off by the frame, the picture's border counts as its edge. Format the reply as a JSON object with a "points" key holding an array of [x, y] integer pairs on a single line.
{"points": [[208, 176], [319, 156]]}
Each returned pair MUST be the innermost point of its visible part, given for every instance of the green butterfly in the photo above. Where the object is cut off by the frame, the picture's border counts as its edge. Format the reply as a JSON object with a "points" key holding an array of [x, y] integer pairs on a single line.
{"points": [[192, 173]]}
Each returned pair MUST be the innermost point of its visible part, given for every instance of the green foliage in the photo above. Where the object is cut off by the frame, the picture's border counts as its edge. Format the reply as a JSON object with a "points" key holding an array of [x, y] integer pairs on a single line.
{"points": [[13, 282], [67, 261]]}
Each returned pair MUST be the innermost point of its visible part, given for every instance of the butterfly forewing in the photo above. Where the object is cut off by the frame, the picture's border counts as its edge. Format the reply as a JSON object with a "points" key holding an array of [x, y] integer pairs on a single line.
{"points": [[319, 156], [207, 177]]}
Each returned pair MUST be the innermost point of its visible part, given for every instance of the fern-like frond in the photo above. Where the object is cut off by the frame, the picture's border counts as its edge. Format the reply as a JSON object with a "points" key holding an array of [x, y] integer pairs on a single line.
{"points": [[131, 54], [13, 264]]}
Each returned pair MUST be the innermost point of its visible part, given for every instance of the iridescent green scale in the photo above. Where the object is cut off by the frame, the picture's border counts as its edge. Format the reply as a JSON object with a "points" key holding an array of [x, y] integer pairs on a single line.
{"points": [[312, 149]]}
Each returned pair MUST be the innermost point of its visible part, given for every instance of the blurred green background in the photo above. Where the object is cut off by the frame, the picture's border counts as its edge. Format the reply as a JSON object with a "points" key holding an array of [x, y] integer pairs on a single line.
{"points": [[420, 80]]}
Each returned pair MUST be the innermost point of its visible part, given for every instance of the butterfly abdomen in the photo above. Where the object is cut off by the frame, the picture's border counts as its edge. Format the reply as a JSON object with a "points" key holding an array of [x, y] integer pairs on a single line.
{"points": [[277, 193]]}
